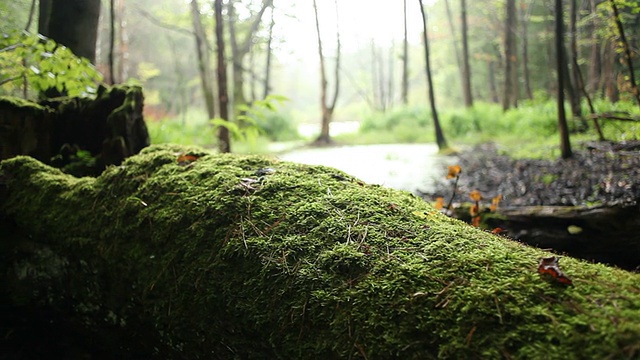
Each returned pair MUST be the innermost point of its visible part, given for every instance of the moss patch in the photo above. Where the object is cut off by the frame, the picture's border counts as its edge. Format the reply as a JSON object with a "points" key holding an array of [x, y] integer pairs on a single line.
{"points": [[223, 257]]}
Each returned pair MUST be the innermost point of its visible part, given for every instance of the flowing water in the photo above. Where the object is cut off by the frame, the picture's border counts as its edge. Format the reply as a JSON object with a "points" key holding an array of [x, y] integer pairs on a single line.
{"points": [[408, 167]]}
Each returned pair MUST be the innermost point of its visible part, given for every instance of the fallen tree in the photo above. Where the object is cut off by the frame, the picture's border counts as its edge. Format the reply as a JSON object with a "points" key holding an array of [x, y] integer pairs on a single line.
{"points": [[180, 253], [603, 233]]}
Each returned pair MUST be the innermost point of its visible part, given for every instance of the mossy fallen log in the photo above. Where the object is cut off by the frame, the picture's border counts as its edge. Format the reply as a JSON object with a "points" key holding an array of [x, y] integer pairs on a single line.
{"points": [[180, 253], [606, 233]]}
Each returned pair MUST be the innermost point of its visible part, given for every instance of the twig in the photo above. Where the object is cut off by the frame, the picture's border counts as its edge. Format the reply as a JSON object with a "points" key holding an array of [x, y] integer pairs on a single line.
{"points": [[455, 189]]}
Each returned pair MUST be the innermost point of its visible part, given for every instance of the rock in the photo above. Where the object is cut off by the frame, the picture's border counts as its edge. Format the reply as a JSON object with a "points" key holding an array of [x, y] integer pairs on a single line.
{"points": [[156, 258]]}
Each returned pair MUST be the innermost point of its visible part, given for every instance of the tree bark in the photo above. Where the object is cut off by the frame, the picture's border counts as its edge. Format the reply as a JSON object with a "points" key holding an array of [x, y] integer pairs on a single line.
{"points": [[565, 144], [327, 107], [627, 51], [456, 51], [240, 49], [112, 41], [509, 55], [595, 62], [466, 68], [204, 62], [224, 141], [72, 23], [526, 12], [405, 57], [440, 139], [267, 67], [109, 128]]}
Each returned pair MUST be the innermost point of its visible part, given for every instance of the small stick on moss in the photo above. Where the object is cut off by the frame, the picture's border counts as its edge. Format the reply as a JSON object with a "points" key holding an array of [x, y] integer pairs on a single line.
{"points": [[470, 335]]}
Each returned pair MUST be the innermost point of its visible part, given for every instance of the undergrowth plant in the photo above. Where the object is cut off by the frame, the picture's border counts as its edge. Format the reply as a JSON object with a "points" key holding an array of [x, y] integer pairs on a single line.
{"points": [[32, 64]]}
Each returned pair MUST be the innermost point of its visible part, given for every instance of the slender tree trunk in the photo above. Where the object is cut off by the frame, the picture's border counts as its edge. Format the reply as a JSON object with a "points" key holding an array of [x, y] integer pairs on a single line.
{"points": [[32, 11], [627, 51], [267, 72], [509, 55], [595, 62], [25, 84], [574, 91], [565, 144], [123, 66], [327, 108], [405, 58], [112, 40], [390, 71], [204, 61], [466, 69], [609, 75], [440, 139], [224, 143], [456, 51], [240, 49], [493, 88], [526, 12]]}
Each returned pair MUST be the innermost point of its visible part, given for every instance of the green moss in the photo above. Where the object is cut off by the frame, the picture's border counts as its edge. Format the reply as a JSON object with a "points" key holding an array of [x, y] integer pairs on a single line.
{"points": [[307, 263], [16, 102]]}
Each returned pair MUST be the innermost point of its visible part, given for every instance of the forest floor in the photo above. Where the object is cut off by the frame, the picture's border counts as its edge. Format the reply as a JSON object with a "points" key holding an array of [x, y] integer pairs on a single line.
{"points": [[599, 173]]}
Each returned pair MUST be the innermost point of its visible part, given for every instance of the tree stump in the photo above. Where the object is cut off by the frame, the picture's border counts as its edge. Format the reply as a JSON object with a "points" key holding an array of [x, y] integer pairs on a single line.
{"points": [[106, 129]]}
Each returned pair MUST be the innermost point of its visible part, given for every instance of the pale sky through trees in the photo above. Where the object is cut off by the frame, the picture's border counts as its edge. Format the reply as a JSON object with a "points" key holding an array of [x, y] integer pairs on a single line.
{"points": [[360, 22]]}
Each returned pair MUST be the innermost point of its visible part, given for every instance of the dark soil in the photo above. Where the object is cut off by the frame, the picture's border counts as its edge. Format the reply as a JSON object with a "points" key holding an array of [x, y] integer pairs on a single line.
{"points": [[601, 173]]}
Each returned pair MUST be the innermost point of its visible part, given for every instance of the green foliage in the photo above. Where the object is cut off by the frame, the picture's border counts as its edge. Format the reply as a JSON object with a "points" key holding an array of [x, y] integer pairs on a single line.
{"points": [[193, 129], [251, 118], [41, 64], [527, 131]]}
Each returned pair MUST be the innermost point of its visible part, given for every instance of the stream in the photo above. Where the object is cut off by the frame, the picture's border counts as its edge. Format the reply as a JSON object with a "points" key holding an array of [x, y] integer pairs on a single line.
{"points": [[400, 166]]}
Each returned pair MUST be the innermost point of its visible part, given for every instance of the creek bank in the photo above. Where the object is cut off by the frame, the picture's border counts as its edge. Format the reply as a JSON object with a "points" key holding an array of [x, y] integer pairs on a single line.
{"points": [[182, 253]]}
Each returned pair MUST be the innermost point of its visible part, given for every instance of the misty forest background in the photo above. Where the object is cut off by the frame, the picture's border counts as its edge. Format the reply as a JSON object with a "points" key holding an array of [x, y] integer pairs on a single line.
{"points": [[493, 65]]}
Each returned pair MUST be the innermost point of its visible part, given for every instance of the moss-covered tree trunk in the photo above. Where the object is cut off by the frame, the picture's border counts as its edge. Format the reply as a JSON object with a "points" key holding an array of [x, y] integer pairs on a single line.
{"points": [[179, 253], [108, 129]]}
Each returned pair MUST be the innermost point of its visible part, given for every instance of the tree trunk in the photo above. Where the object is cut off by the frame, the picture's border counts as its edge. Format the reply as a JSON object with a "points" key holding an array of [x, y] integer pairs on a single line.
{"points": [[491, 73], [405, 57], [456, 51], [44, 15], [575, 70], [565, 144], [609, 74], [224, 141], [204, 62], [267, 70], [74, 24], [240, 49], [466, 69], [509, 96], [595, 62], [123, 42], [627, 52], [81, 135], [526, 12], [112, 41], [327, 108], [440, 139]]}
